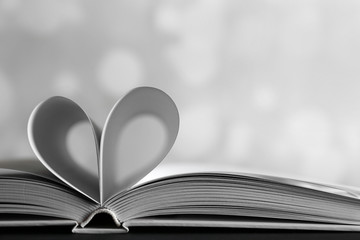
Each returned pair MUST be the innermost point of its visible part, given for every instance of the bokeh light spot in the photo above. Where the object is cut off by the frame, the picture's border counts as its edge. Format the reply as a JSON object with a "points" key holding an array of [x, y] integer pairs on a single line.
{"points": [[119, 71], [264, 98], [199, 131], [66, 83], [238, 142], [310, 131]]}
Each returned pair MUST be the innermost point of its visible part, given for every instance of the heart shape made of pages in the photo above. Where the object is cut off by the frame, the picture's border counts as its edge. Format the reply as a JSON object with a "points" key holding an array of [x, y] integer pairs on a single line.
{"points": [[138, 133]]}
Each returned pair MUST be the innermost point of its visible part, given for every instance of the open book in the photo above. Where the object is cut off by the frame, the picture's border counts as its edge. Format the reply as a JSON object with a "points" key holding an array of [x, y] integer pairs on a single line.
{"points": [[138, 133]]}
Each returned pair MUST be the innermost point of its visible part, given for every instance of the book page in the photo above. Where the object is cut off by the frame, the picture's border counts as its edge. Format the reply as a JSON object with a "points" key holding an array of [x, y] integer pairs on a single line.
{"points": [[172, 169], [236, 195], [138, 133], [38, 197], [49, 126], [32, 166]]}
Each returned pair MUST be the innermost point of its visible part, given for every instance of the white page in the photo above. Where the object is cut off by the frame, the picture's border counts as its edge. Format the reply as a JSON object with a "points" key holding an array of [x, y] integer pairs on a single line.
{"points": [[32, 166], [138, 133], [36, 195], [242, 195], [171, 169], [48, 128]]}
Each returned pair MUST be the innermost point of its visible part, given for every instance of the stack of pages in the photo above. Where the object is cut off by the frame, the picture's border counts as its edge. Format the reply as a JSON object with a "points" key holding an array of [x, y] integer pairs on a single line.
{"points": [[125, 182]]}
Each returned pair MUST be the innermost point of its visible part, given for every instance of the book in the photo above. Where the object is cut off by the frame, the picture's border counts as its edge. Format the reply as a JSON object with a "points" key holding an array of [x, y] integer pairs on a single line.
{"points": [[124, 183]]}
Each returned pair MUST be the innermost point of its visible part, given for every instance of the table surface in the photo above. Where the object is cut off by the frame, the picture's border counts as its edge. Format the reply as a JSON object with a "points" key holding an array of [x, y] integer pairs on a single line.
{"points": [[174, 234]]}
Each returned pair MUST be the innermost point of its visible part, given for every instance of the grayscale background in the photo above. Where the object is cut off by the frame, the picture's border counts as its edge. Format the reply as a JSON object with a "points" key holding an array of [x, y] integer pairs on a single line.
{"points": [[269, 85]]}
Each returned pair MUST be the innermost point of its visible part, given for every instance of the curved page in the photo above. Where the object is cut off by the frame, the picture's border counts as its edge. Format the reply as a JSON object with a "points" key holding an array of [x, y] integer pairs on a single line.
{"points": [[49, 126], [139, 132]]}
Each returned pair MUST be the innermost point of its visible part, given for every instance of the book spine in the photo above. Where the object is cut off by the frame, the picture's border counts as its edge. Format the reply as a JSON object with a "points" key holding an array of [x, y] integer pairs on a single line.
{"points": [[84, 227]]}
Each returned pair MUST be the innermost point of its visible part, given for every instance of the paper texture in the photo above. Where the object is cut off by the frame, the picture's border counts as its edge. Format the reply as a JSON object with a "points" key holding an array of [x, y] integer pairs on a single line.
{"points": [[123, 156], [126, 158], [48, 126]]}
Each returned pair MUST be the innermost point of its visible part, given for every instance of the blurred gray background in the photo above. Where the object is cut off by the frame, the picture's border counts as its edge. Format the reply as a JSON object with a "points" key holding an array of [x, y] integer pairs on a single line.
{"points": [[267, 85]]}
